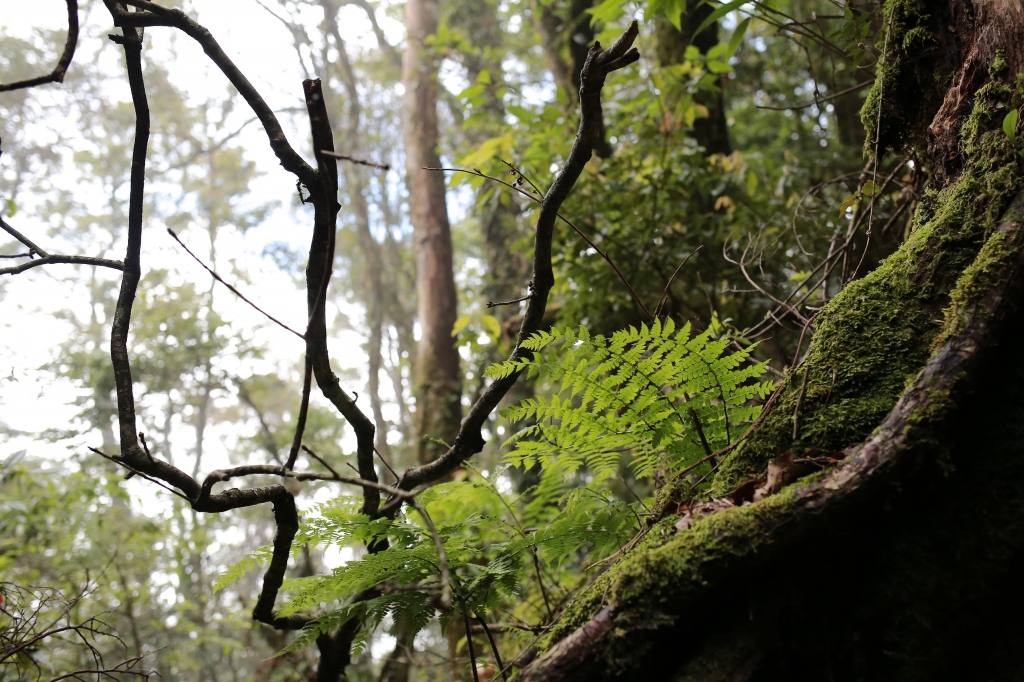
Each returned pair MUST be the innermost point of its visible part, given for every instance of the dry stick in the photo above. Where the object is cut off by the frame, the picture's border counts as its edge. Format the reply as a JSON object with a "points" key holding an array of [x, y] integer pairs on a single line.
{"points": [[222, 475], [286, 517], [731, 446], [393, 472], [700, 432], [34, 249], [561, 217], [352, 159], [469, 639], [318, 278], [232, 289], [442, 556], [490, 304], [57, 75], [664, 294], [321, 460]]}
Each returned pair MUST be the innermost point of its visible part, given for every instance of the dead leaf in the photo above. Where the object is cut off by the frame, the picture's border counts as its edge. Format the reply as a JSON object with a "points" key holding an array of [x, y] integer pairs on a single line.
{"points": [[744, 492], [692, 510], [780, 472]]}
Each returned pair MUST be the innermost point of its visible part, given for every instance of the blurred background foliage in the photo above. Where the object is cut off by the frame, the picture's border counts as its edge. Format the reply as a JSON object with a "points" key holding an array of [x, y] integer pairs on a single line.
{"points": [[734, 191]]}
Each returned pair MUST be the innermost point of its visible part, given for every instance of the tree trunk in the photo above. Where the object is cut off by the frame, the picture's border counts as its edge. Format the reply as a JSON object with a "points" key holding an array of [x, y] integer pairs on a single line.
{"points": [[711, 131], [438, 383], [895, 563]]}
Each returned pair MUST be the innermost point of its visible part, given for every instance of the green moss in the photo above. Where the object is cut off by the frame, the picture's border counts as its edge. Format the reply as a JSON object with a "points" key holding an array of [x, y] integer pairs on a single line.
{"points": [[879, 331], [872, 340], [899, 97], [668, 568]]}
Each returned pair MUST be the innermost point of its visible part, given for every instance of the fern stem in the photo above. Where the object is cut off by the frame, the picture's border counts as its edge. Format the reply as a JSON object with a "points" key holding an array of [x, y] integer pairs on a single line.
{"points": [[469, 638], [494, 646], [703, 440]]}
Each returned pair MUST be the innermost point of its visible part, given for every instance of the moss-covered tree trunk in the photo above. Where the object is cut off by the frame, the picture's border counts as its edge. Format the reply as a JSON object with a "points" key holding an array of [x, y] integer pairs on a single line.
{"points": [[903, 561]]}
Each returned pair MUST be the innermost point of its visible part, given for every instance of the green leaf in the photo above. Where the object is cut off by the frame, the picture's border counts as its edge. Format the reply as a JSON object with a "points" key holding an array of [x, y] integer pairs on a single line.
{"points": [[493, 327], [460, 325], [11, 208], [718, 14], [870, 189], [1010, 125], [847, 203], [607, 12], [737, 37]]}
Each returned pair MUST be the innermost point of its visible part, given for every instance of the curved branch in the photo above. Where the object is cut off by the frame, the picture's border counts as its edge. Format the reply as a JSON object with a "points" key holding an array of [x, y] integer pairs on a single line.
{"points": [[155, 15], [318, 276], [469, 440], [57, 75]]}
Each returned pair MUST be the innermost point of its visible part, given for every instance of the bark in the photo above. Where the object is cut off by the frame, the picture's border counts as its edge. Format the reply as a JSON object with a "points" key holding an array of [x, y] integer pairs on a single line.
{"points": [[711, 131], [438, 383], [895, 563]]}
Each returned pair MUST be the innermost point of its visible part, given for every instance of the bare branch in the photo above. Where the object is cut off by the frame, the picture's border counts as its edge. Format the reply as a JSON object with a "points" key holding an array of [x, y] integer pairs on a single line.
{"points": [[73, 260], [156, 15], [57, 75]]}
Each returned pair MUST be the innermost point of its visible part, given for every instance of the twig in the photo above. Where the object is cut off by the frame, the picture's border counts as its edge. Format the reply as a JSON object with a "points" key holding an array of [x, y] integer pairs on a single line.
{"points": [[731, 446], [633, 493], [664, 294], [352, 159], [819, 100], [321, 460], [493, 304], [800, 343], [33, 248], [393, 472], [135, 471], [700, 433], [565, 220], [233, 290], [442, 556], [469, 639]]}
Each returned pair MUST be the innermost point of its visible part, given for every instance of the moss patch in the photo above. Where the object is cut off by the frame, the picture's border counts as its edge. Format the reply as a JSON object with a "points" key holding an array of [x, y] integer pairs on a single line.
{"points": [[879, 331], [911, 74], [872, 339]]}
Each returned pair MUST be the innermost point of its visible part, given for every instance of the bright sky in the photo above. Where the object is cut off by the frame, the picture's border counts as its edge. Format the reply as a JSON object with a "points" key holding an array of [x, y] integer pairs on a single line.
{"points": [[260, 45]]}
